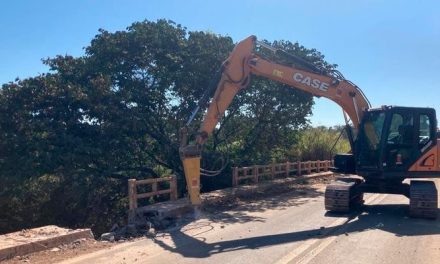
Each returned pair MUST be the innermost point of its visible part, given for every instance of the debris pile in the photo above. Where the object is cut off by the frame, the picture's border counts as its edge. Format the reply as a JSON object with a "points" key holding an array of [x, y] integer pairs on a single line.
{"points": [[28, 241]]}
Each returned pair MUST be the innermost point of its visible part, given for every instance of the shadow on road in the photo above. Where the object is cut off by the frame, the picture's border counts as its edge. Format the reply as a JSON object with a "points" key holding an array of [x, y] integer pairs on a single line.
{"points": [[239, 208], [389, 218]]}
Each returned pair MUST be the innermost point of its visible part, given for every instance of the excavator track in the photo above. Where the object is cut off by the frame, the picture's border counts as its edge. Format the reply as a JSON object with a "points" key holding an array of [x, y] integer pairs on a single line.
{"points": [[423, 199], [342, 195]]}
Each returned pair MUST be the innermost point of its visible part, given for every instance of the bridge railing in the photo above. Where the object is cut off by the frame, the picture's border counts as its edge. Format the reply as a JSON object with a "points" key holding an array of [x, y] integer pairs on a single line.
{"points": [[257, 173], [134, 195]]}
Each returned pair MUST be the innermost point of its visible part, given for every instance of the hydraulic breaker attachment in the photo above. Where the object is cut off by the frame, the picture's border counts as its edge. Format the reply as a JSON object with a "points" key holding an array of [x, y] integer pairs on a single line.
{"points": [[192, 175], [190, 156]]}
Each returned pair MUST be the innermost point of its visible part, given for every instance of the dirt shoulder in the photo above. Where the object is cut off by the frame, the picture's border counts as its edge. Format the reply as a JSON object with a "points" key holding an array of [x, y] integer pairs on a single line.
{"points": [[62, 252]]}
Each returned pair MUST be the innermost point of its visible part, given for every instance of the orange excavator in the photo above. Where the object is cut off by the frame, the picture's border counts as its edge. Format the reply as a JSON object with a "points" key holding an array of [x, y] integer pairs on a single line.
{"points": [[388, 144]]}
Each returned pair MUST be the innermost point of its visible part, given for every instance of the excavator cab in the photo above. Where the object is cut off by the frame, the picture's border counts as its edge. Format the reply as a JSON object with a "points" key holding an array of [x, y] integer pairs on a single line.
{"points": [[393, 144], [391, 139]]}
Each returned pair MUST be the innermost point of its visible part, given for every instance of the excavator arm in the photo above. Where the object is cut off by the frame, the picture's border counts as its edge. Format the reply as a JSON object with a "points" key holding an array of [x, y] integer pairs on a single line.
{"points": [[235, 76]]}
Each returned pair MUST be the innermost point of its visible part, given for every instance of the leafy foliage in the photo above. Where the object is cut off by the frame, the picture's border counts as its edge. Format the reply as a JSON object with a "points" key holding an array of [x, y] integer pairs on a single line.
{"points": [[72, 137], [320, 143]]}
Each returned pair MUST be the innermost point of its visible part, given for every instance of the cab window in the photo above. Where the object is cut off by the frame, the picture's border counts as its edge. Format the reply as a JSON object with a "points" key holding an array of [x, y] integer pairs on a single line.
{"points": [[373, 129], [424, 130], [401, 129]]}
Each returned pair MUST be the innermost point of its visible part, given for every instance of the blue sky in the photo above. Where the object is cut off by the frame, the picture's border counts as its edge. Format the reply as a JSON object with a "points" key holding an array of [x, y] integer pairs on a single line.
{"points": [[391, 49]]}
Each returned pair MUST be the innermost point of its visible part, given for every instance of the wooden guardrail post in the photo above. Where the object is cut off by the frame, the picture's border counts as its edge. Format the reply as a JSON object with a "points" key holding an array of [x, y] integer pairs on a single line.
{"points": [[234, 176], [255, 173], [287, 169], [309, 168], [154, 187], [318, 166], [132, 194], [299, 171], [272, 170], [173, 187]]}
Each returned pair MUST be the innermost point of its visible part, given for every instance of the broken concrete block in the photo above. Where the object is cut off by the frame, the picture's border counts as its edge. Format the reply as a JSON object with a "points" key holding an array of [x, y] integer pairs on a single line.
{"points": [[108, 237]]}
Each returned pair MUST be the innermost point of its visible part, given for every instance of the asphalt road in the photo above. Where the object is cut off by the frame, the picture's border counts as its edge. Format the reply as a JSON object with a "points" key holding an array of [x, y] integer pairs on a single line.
{"points": [[290, 229]]}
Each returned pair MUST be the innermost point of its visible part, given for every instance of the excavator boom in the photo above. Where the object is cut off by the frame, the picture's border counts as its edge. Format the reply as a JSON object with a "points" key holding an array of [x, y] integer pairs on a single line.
{"points": [[235, 76], [243, 62]]}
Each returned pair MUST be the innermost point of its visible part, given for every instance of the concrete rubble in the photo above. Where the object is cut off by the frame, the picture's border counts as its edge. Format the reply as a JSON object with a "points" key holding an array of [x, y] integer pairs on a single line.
{"points": [[29, 241]]}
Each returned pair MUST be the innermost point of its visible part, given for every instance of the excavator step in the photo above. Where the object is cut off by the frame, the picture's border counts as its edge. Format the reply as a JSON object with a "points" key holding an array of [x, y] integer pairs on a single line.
{"points": [[342, 195], [423, 201]]}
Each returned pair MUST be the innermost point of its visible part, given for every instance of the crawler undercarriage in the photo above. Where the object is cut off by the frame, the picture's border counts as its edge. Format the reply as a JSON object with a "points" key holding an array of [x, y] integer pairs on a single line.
{"points": [[347, 193]]}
